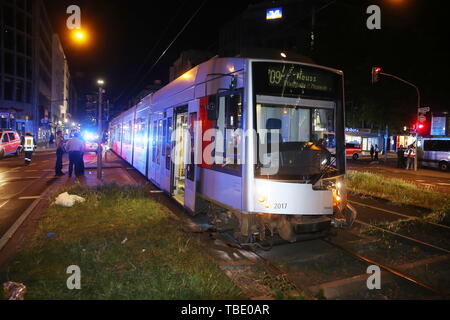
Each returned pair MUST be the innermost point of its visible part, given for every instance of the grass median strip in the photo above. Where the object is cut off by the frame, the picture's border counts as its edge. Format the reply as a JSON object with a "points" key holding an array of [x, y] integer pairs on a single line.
{"points": [[396, 190], [127, 247]]}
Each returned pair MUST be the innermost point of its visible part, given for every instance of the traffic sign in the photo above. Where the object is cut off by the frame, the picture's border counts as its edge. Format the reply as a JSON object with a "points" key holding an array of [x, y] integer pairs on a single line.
{"points": [[424, 110], [422, 118]]}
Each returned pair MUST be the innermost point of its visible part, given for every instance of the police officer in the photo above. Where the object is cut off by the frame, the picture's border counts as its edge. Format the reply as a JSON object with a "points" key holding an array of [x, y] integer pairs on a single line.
{"points": [[75, 148], [28, 144]]}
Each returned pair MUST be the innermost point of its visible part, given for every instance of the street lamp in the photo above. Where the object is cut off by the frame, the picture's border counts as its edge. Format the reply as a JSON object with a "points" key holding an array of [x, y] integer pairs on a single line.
{"points": [[100, 83], [378, 72], [79, 36]]}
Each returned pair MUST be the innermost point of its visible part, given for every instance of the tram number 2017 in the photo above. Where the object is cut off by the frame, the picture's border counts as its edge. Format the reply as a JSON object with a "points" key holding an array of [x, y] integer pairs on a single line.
{"points": [[279, 206]]}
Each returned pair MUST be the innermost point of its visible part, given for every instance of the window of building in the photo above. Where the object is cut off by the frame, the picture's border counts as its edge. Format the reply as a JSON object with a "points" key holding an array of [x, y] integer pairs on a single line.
{"points": [[20, 43], [20, 21], [8, 16], [29, 69], [9, 88], [19, 90], [20, 67], [9, 63], [29, 26], [9, 39], [28, 93]]}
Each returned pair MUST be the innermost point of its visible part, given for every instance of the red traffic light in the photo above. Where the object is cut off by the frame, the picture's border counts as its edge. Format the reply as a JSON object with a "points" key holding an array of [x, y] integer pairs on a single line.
{"points": [[375, 73], [422, 128]]}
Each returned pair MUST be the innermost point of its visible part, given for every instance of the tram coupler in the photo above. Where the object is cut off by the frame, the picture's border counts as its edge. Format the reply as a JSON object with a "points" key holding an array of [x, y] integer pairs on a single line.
{"points": [[349, 216]]}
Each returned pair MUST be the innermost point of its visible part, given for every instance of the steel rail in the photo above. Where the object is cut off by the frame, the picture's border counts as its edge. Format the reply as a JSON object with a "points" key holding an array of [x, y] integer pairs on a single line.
{"points": [[423, 243], [388, 269], [398, 214]]}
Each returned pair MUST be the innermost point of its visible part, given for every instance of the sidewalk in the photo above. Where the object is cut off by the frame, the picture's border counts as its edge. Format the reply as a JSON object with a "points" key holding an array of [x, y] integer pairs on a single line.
{"points": [[115, 170]]}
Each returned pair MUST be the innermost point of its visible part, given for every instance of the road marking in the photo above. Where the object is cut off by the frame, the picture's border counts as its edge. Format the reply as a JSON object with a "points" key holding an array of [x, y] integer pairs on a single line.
{"points": [[12, 230], [29, 198], [1, 205], [443, 184]]}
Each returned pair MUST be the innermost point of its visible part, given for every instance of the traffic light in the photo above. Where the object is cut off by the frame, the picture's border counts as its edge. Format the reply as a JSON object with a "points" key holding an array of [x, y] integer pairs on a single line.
{"points": [[375, 73], [422, 128]]}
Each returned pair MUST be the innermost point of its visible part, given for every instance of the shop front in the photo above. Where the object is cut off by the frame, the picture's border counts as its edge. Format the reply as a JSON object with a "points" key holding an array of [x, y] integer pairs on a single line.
{"points": [[364, 137]]}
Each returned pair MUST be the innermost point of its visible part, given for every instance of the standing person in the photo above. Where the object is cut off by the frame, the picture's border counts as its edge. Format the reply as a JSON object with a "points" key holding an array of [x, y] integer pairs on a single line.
{"points": [[28, 145], [377, 151], [401, 157], [51, 141], [75, 148], [372, 151], [59, 144], [410, 154]]}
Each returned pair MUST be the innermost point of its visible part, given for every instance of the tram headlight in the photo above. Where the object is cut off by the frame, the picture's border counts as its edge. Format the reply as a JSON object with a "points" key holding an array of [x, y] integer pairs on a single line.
{"points": [[262, 199]]}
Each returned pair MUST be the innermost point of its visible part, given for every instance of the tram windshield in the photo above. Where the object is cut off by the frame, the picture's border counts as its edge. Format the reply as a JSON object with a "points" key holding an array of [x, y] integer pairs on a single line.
{"points": [[297, 128]]}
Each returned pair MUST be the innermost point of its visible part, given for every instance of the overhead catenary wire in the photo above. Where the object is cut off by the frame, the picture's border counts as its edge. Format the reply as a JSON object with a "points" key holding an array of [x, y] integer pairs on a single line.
{"points": [[168, 47], [149, 55]]}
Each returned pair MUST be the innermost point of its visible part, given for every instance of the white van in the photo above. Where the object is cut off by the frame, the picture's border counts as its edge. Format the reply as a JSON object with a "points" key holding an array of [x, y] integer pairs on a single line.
{"points": [[436, 153]]}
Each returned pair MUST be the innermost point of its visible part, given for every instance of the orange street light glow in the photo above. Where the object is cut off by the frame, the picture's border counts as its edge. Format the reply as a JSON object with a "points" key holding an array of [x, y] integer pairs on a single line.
{"points": [[79, 36]]}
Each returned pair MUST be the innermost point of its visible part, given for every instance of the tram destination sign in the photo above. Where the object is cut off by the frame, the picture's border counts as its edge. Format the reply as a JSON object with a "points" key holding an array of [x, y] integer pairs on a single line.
{"points": [[288, 79]]}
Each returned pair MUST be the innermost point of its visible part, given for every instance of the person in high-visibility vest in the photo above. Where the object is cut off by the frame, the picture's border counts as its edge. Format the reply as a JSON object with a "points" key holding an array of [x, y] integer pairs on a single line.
{"points": [[410, 155], [28, 145]]}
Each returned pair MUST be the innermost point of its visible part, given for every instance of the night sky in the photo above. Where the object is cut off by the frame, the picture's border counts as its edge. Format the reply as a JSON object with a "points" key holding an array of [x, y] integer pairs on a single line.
{"points": [[411, 43]]}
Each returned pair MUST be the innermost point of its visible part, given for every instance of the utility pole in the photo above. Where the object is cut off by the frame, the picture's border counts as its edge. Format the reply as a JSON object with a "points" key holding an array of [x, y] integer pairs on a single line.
{"points": [[386, 138], [100, 129], [376, 71]]}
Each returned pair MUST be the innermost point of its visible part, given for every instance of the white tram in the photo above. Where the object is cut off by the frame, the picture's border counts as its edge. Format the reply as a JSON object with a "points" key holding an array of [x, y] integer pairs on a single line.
{"points": [[261, 139]]}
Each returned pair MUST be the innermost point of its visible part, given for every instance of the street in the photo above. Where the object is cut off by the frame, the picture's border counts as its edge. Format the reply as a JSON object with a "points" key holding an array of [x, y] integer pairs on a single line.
{"points": [[20, 185], [423, 177]]}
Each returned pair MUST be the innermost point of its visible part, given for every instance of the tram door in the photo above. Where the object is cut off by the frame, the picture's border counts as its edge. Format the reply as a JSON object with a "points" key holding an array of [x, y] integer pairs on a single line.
{"points": [[179, 154], [156, 124], [193, 155], [167, 150]]}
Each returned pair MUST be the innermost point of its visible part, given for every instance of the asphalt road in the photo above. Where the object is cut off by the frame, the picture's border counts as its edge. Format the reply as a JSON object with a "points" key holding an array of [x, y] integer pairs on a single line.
{"points": [[423, 178], [20, 185]]}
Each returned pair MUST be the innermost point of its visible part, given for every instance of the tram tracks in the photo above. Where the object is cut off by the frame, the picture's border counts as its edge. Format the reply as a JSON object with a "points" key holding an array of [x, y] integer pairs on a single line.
{"points": [[389, 269]]}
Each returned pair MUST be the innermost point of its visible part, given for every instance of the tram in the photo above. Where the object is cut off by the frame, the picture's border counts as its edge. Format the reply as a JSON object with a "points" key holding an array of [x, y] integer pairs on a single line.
{"points": [[260, 141]]}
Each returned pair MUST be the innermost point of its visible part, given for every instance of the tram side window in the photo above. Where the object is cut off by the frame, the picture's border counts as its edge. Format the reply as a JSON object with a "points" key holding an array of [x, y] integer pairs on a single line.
{"points": [[228, 139], [159, 142], [154, 132], [168, 142], [127, 133], [164, 137]]}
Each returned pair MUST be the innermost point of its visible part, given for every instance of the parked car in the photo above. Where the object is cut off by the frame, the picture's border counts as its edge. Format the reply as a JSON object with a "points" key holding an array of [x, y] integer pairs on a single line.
{"points": [[435, 153], [353, 150], [9, 143]]}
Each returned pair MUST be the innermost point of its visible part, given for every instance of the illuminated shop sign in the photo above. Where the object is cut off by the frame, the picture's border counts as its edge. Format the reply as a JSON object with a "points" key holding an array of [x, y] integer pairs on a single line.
{"points": [[273, 14]]}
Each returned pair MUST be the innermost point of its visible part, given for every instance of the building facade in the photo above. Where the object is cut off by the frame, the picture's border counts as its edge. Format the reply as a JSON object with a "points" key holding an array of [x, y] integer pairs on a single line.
{"points": [[60, 85], [28, 67], [279, 25]]}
